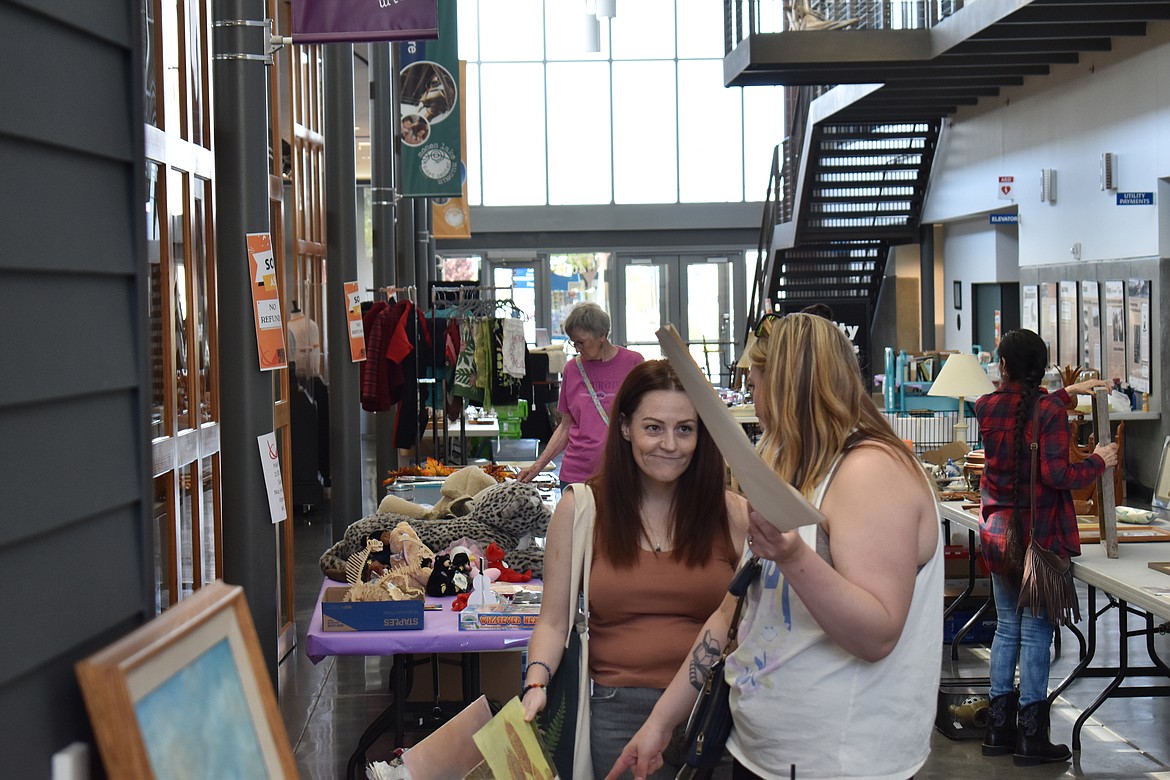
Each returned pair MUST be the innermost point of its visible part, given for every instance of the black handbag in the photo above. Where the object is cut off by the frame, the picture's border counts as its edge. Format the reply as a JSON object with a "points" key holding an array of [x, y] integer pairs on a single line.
{"points": [[558, 720], [710, 721]]}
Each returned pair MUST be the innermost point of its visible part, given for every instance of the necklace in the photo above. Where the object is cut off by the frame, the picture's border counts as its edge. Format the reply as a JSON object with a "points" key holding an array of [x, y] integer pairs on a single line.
{"points": [[655, 540]]}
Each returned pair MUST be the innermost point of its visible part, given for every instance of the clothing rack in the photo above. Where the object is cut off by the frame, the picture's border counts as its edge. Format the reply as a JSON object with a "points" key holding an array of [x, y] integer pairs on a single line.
{"points": [[410, 290], [466, 299]]}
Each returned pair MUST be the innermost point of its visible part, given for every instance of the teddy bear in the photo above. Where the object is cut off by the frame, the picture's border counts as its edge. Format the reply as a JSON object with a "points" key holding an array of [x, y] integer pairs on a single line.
{"points": [[458, 490]]}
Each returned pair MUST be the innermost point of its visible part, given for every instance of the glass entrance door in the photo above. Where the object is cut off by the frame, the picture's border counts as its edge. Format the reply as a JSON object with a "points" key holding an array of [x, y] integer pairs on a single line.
{"points": [[521, 280], [700, 294]]}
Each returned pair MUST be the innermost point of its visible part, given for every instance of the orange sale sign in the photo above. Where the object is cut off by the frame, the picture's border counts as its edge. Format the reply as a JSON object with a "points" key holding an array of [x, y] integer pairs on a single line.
{"points": [[266, 302], [353, 318]]}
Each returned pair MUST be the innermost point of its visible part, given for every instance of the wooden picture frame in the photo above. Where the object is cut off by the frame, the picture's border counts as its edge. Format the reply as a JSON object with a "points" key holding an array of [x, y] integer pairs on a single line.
{"points": [[1161, 493], [188, 689], [1091, 533]]}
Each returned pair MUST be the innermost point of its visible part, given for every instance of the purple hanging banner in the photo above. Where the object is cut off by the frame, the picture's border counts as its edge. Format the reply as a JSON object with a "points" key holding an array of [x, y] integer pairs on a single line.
{"points": [[361, 21]]}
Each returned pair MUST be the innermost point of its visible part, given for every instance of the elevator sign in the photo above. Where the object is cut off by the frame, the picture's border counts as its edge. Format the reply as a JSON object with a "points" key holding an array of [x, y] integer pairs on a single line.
{"points": [[1007, 186]]}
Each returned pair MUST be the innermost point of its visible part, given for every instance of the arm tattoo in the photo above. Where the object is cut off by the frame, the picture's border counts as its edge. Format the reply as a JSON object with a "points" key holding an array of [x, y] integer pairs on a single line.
{"points": [[703, 657]]}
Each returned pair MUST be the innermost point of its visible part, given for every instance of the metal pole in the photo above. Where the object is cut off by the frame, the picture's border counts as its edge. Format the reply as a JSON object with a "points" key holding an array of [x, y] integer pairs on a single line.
{"points": [[341, 265], [240, 79], [926, 271], [383, 197]]}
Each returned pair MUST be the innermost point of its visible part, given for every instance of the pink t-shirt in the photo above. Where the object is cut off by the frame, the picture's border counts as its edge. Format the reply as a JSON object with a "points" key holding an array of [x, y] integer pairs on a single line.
{"points": [[588, 431]]}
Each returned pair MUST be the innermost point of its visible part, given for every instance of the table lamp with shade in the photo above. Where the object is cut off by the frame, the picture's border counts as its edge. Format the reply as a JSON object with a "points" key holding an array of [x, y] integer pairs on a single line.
{"points": [[962, 376]]}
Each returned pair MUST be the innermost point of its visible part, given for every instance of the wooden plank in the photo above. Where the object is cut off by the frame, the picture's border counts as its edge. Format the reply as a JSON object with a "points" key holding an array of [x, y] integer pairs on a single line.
{"points": [[1107, 506]]}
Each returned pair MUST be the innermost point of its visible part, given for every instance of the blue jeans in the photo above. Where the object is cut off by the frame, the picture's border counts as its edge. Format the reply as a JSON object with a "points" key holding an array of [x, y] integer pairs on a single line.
{"points": [[1020, 638], [614, 715]]}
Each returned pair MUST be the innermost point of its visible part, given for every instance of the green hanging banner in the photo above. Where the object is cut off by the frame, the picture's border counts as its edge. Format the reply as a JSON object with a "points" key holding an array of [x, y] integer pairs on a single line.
{"points": [[428, 88]]}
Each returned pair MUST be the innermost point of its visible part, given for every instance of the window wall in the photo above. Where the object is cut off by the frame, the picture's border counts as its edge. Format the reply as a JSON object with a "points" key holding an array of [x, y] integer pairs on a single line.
{"points": [[645, 120]]}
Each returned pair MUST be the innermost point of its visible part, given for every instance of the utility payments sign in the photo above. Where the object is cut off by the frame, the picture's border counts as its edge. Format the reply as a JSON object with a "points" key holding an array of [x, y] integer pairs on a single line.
{"points": [[1007, 186]]}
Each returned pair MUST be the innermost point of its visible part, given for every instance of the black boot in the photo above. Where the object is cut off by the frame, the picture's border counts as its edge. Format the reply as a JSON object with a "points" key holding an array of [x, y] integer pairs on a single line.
{"points": [[1000, 738], [1032, 745]]}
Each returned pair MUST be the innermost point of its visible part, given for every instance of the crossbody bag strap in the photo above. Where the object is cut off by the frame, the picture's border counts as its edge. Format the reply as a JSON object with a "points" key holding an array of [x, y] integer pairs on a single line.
{"points": [[1035, 446], [592, 392], [740, 582], [585, 511]]}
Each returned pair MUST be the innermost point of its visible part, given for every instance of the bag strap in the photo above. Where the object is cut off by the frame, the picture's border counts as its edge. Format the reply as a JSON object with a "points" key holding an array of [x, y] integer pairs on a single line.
{"points": [[592, 392], [739, 584], [1035, 447], [584, 513]]}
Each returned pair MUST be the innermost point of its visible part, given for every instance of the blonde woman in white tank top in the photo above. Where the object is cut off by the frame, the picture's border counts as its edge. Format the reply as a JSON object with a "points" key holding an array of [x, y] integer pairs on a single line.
{"points": [[837, 668]]}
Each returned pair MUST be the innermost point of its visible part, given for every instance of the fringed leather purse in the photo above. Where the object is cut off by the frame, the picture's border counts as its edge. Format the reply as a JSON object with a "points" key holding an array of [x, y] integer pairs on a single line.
{"points": [[1047, 586]]}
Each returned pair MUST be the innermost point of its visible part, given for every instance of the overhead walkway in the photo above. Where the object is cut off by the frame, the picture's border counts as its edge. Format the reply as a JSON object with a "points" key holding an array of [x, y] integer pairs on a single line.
{"points": [[866, 107]]}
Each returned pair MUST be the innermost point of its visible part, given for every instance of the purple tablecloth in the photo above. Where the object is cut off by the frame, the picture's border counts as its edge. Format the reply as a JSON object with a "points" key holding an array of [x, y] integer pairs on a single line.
{"points": [[440, 634]]}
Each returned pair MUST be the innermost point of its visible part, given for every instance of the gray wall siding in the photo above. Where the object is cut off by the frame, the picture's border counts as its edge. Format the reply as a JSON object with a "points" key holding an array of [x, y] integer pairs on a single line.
{"points": [[74, 527]]}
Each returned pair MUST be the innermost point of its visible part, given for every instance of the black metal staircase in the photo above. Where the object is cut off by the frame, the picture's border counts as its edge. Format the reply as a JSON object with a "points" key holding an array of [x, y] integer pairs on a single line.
{"points": [[863, 189]]}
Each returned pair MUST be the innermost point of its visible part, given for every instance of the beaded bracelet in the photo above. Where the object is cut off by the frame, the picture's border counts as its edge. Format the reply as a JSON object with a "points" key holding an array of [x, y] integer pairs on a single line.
{"points": [[531, 664], [529, 687]]}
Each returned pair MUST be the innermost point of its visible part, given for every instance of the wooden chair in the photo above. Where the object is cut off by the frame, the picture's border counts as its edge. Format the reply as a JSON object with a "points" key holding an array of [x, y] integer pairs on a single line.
{"points": [[1085, 499]]}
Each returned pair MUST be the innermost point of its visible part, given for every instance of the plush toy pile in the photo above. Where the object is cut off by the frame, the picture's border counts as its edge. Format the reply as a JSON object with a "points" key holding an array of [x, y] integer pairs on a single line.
{"points": [[476, 517]]}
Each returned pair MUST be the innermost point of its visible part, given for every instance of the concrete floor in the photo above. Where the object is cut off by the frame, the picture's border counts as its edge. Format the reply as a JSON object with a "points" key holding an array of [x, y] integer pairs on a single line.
{"points": [[327, 706]]}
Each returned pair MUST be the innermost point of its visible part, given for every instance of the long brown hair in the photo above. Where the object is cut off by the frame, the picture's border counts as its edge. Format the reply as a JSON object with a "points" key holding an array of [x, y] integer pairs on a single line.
{"points": [[700, 528], [812, 402]]}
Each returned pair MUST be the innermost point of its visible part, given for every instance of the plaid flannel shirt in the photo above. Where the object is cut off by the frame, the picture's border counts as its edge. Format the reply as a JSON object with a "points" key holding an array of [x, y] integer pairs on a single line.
{"points": [[1056, 522]]}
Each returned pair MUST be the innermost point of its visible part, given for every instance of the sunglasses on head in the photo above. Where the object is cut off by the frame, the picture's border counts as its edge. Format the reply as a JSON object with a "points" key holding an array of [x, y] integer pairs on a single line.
{"points": [[766, 320]]}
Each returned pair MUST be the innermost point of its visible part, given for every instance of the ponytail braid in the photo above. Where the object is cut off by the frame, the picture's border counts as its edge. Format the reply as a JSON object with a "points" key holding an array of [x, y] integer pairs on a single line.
{"points": [[1014, 543]]}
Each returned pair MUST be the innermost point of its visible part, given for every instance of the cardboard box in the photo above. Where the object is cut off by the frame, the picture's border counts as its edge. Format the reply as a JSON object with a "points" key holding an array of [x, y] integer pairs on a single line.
{"points": [[495, 617], [339, 615], [957, 562], [980, 634], [953, 588], [501, 674]]}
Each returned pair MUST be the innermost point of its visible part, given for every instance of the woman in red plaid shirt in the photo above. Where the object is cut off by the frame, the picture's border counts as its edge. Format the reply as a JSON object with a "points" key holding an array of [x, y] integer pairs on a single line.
{"points": [[1019, 719]]}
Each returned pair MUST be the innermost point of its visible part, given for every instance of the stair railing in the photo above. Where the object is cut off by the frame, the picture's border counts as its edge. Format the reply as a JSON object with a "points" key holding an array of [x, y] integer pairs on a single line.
{"points": [[743, 18], [763, 272]]}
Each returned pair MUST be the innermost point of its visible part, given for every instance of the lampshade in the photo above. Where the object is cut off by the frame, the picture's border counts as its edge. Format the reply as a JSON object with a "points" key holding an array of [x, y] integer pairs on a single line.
{"points": [[962, 376], [607, 8]]}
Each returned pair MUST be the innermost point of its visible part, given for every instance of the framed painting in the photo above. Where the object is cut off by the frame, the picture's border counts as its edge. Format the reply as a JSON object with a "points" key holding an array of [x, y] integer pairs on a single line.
{"points": [[1161, 497], [1049, 320], [1116, 366], [1069, 347], [1090, 325], [1138, 329], [1030, 307], [188, 695]]}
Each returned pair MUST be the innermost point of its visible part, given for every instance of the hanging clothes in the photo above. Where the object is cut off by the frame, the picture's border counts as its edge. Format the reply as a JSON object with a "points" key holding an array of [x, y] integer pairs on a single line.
{"points": [[505, 388], [374, 375], [465, 384], [408, 335], [514, 348], [484, 347]]}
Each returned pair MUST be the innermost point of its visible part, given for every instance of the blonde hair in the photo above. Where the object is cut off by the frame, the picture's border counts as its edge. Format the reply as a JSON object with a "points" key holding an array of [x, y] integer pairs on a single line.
{"points": [[811, 401]]}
